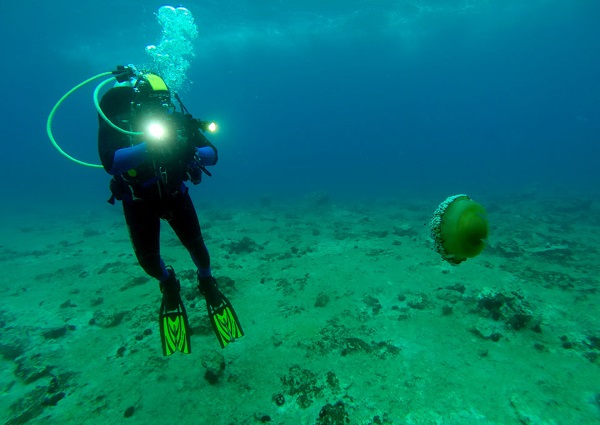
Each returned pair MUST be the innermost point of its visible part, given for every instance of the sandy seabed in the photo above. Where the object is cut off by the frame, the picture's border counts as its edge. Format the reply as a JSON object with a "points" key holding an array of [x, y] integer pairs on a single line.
{"points": [[350, 318]]}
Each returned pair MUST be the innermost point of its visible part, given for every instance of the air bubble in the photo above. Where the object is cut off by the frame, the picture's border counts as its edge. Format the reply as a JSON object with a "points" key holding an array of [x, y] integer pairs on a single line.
{"points": [[169, 57]]}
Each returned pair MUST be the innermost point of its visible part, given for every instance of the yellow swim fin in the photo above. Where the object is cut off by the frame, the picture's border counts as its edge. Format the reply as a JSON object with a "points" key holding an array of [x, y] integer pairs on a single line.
{"points": [[224, 322], [174, 330]]}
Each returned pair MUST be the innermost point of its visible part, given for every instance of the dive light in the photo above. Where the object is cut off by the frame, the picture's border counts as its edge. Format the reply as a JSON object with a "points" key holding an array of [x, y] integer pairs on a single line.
{"points": [[205, 126], [156, 130]]}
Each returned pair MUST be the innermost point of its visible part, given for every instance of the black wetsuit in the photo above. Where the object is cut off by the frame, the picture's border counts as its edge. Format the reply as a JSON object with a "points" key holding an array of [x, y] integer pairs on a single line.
{"points": [[154, 189]]}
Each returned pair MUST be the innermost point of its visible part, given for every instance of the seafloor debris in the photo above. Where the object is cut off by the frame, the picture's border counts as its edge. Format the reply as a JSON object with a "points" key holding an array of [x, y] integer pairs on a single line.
{"points": [[214, 365], [35, 401], [108, 319], [242, 246], [322, 299], [303, 385], [336, 337], [507, 306], [333, 414]]}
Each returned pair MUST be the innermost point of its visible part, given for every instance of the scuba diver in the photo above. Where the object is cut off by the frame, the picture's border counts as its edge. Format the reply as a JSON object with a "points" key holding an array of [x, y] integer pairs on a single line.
{"points": [[151, 150]]}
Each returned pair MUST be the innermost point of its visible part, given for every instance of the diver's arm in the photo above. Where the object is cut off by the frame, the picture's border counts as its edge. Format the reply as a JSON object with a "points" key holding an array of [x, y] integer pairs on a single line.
{"points": [[205, 149], [127, 158], [208, 155]]}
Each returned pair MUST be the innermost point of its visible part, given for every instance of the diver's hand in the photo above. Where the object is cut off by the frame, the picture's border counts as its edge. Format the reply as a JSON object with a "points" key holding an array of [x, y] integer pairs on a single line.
{"points": [[124, 73]]}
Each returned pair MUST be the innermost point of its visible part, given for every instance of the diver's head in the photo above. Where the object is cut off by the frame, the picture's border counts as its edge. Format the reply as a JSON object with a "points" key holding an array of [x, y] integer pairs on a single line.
{"points": [[152, 96], [153, 108]]}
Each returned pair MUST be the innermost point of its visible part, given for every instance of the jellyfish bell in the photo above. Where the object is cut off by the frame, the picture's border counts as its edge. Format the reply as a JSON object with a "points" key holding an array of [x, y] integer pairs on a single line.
{"points": [[459, 228]]}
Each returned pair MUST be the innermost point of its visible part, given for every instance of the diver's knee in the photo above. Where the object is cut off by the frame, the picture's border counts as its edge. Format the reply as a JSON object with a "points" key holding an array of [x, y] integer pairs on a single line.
{"points": [[151, 265]]}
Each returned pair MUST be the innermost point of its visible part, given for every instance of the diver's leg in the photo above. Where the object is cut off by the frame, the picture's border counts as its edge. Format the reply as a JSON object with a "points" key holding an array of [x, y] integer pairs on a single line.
{"points": [[143, 223], [184, 221]]}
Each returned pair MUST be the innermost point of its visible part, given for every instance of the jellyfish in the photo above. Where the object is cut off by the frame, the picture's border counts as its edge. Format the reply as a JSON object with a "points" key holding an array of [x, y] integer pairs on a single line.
{"points": [[459, 228]]}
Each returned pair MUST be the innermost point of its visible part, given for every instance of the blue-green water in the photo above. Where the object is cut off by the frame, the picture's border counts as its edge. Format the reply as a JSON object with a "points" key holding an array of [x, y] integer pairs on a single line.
{"points": [[350, 97], [342, 126]]}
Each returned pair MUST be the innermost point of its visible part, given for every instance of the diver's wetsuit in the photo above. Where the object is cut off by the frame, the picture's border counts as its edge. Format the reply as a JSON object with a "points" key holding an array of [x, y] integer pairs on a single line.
{"points": [[151, 184]]}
